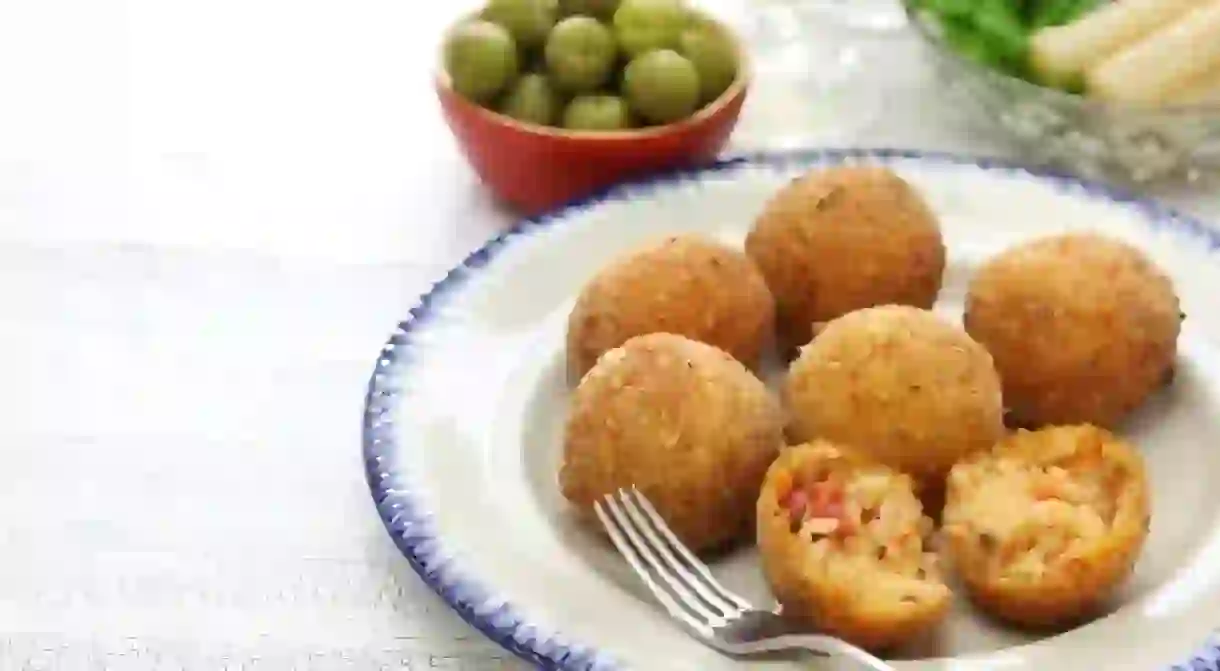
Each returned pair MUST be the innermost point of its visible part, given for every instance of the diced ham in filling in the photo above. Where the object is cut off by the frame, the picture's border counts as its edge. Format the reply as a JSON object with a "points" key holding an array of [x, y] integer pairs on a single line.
{"points": [[818, 510]]}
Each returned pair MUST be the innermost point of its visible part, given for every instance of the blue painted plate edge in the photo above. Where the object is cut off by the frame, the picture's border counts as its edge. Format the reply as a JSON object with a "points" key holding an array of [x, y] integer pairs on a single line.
{"points": [[406, 518]]}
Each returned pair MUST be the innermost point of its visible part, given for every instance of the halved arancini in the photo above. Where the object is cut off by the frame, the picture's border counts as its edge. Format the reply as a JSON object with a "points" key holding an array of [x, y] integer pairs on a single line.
{"points": [[843, 541], [1046, 525]]}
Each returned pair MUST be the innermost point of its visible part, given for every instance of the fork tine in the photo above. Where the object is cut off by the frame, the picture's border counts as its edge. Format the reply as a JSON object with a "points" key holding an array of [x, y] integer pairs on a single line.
{"points": [[708, 620], [649, 524], [633, 559], [688, 556]]}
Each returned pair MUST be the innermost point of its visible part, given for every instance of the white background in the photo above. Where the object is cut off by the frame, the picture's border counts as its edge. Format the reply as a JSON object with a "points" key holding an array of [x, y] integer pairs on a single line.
{"points": [[212, 212]]}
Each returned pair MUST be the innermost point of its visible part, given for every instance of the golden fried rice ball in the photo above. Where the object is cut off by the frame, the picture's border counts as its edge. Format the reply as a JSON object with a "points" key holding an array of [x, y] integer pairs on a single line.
{"points": [[682, 421], [845, 238], [689, 285], [901, 385], [1048, 524], [844, 546], [1083, 328]]}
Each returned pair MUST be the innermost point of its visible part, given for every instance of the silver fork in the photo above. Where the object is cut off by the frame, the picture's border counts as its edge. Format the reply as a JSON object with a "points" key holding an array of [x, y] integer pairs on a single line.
{"points": [[685, 587]]}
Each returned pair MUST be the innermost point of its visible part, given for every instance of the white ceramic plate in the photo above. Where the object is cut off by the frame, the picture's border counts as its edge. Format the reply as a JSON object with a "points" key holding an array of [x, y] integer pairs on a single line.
{"points": [[464, 414]]}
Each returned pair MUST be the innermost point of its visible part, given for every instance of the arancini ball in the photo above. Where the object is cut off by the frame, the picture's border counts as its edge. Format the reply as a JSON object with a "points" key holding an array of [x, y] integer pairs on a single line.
{"points": [[685, 423], [899, 384], [688, 285], [845, 546], [845, 238], [1083, 328], [1045, 526]]}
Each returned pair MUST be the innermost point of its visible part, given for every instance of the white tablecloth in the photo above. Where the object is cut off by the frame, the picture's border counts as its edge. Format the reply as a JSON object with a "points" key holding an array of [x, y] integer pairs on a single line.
{"points": [[212, 212]]}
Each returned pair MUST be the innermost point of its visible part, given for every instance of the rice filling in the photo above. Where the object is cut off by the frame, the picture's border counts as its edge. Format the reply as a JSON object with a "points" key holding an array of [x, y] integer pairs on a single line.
{"points": [[865, 528], [1027, 517]]}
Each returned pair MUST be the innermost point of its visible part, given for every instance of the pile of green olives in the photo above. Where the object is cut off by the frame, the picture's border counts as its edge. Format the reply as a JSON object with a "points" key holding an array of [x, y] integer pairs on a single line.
{"points": [[596, 65]]}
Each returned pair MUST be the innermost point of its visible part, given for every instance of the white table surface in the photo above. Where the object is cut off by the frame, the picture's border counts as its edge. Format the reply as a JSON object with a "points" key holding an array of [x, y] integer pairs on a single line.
{"points": [[212, 212]]}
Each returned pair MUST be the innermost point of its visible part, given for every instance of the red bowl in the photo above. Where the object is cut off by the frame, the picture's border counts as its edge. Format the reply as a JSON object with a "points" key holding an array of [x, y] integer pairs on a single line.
{"points": [[535, 168]]}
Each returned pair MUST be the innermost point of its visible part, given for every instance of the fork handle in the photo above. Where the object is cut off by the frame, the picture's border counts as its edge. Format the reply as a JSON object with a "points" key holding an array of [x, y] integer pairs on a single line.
{"points": [[823, 646], [840, 648]]}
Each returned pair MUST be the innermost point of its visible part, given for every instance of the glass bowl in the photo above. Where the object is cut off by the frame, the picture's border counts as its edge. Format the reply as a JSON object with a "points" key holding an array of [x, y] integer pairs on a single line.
{"points": [[1098, 140]]}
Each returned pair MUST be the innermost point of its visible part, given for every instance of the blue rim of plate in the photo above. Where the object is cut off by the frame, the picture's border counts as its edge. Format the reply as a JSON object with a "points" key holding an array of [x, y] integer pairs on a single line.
{"points": [[406, 517]]}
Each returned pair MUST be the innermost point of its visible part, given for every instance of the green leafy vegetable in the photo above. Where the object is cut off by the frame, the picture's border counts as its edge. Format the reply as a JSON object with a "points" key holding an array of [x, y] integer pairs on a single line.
{"points": [[951, 8], [1061, 12], [996, 33], [968, 42], [1000, 25]]}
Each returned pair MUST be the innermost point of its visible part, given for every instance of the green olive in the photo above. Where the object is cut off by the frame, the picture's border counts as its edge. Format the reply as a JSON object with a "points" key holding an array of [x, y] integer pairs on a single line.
{"points": [[481, 59], [645, 25], [600, 9], [580, 54], [529, 21], [533, 100], [712, 51], [597, 112], [662, 86]]}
